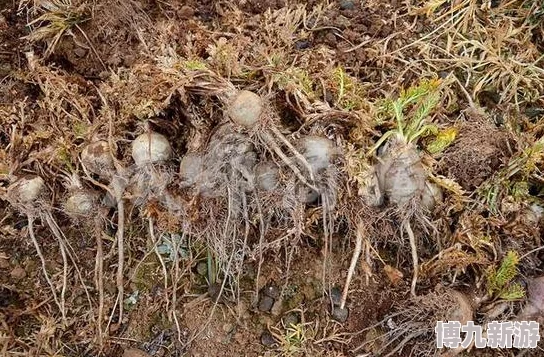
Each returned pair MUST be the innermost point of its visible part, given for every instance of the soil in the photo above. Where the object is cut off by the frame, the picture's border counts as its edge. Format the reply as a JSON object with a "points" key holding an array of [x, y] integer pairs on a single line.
{"points": [[117, 41]]}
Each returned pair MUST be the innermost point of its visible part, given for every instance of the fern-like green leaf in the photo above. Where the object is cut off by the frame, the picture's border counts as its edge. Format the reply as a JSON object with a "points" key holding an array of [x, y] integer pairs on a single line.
{"points": [[513, 292], [498, 280]]}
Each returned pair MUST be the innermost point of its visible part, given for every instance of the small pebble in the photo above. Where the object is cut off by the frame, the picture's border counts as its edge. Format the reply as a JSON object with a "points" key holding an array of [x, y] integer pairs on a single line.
{"points": [[4, 263], [340, 315], [80, 52], [186, 12], [228, 327], [272, 291], [302, 44], [268, 340], [18, 273], [347, 5], [336, 296], [277, 308], [291, 319], [214, 291], [265, 303], [202, 268]]}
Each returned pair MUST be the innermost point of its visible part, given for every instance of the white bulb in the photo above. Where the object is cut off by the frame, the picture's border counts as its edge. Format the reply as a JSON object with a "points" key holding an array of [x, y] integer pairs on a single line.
{"points": [[79, 203], [97, 157], [246, 108], [318, 151], [150, 148], [29, 190]]}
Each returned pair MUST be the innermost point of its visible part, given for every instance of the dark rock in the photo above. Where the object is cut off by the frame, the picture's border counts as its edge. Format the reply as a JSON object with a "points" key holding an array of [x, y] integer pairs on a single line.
{"points": [[272, 291], [268, 340], [265, 303], [347, 5], [533, 112], [291, 319], [339, 314], [302, 44], [214, 291], [336, 296]]}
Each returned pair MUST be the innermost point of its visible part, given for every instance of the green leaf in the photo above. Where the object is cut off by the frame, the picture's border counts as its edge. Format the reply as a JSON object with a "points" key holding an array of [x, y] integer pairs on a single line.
{"points": [[497, 280], [443, 139], [513, 292]]}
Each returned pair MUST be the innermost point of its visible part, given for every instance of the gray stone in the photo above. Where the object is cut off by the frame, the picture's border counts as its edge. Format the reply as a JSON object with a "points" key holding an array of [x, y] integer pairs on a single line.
{"points": [[291, 318], [336, 296], [272, 291], [268, 340], [265, 303], [339, 314], [347, 4]]}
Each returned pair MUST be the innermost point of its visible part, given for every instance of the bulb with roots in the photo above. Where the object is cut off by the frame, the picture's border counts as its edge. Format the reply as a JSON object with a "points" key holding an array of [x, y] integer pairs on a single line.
{"points": [[150, 179], [246, 109], [151, 148], [227, 164], [267, 176], [318, 151], [402, 177], [28, 195], [80, 202], [97, 158], [249, 111], [27, 190]]}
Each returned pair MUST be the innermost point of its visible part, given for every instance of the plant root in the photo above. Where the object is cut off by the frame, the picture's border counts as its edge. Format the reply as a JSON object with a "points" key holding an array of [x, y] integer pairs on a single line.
{"points": [[271, 143], [353, 265], [44, 269], [158, 254], [99, 283], [415, 259]]}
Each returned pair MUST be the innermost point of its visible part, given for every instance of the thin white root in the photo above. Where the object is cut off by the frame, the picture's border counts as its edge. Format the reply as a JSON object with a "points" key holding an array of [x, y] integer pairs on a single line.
{"points": [[99, 281], [64, 273], [159, 256], [62, 248], [368, 261], [42, 259], [121, 255], [415, 259], [226, 274], [261, 242], [353, 264], [269, 140], [59, 234], [294, 151]]}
